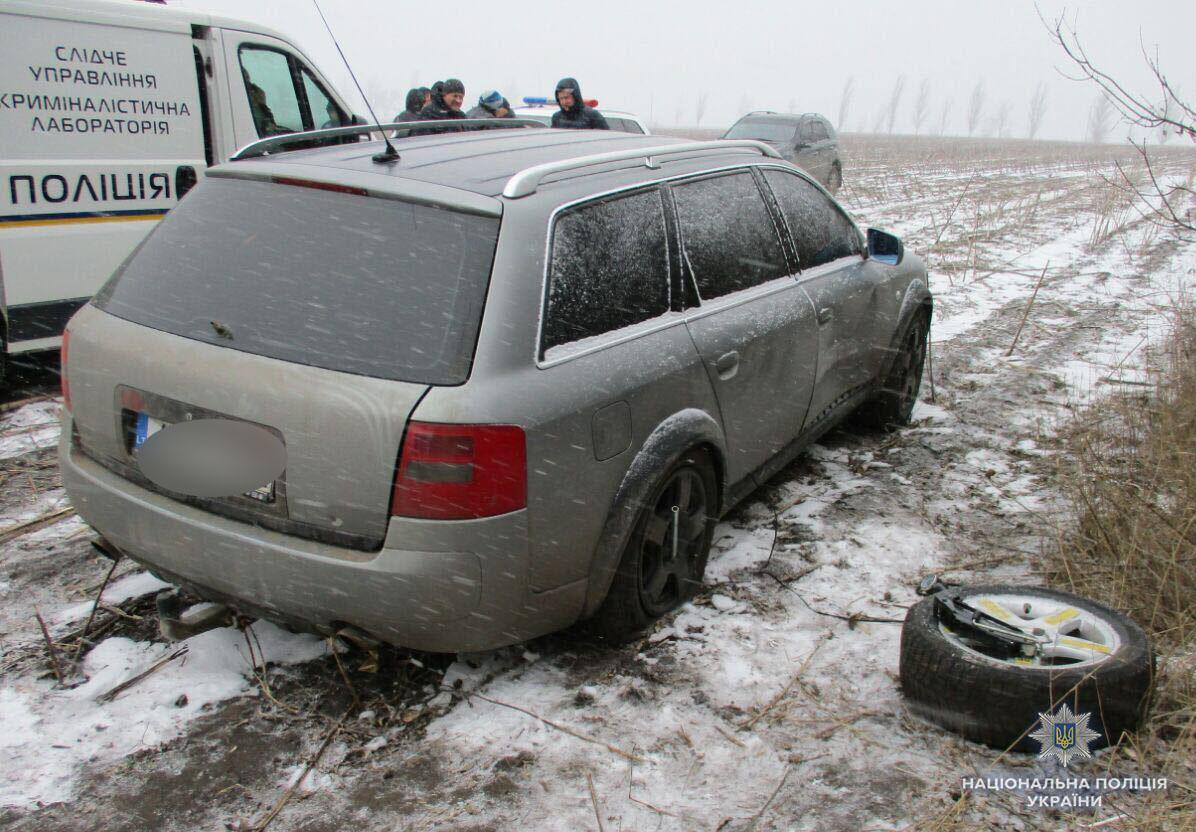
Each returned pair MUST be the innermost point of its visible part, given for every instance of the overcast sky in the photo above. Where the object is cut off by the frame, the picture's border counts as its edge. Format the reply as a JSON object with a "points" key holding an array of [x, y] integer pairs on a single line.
{"points": [[657, 58]]}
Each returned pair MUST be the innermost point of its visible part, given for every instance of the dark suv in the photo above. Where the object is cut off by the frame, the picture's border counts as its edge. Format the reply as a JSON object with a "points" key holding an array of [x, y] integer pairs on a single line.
{"points": [[807, 140]]}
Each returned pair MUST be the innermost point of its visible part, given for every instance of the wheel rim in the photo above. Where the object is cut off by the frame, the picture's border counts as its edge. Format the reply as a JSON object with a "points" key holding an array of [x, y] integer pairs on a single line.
{"points": [[909, 366], [671, 543], [1076, 637]]}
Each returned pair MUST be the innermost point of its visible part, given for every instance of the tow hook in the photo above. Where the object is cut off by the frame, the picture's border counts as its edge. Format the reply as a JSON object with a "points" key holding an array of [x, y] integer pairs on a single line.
{"points": [[953, 612], [178, 626]]}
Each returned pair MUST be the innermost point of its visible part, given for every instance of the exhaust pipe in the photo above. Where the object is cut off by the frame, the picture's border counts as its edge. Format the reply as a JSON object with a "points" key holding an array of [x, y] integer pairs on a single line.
{"points": [[178, 626]]}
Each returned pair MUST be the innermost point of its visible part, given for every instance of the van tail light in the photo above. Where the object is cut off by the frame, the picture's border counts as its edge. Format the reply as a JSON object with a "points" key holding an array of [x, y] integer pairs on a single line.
{"points": [[459, 472], [66, 385]]}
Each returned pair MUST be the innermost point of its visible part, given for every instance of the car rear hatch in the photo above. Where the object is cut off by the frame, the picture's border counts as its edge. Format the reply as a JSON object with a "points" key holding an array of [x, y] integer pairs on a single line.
{"points": [[320, 313]]}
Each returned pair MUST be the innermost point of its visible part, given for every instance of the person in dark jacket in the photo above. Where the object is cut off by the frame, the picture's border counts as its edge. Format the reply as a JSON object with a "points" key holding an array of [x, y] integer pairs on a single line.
{"points": [[417, 98], [491, 104], [444, 106], [574, 113]]}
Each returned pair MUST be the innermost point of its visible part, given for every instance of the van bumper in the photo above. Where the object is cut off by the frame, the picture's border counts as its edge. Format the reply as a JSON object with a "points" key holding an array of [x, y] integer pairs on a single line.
{"points": [[440, 586]]}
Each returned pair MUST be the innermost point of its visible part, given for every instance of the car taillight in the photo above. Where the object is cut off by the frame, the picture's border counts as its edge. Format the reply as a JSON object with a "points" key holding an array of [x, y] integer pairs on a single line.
{"points": [[66, 385], [458, 472]]}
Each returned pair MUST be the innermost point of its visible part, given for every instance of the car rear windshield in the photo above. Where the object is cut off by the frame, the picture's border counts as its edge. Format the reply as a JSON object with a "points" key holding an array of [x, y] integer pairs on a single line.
{"points": [[349, 282], [764, 129]]}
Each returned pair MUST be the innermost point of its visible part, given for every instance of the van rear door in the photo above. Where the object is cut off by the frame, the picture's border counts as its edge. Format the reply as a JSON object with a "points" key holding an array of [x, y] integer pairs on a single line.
{"points": [[97, 118]]}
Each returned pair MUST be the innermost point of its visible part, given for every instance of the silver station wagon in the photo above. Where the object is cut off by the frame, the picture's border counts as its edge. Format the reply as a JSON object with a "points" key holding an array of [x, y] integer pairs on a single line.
{"points": [[504, 383]]}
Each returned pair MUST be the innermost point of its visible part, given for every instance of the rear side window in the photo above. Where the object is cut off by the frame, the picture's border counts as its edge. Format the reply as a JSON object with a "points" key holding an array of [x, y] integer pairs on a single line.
{"points": [[358, 284], [728, 236], [821, 231], [609, 268], [630, 126]]}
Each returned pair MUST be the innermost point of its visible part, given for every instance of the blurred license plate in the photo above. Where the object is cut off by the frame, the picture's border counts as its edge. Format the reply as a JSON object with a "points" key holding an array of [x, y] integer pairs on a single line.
{"points": [[146, 426]]}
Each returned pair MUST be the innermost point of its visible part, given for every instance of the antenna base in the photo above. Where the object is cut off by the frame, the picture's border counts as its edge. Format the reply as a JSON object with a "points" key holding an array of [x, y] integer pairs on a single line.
{"points": [[387, 157]]}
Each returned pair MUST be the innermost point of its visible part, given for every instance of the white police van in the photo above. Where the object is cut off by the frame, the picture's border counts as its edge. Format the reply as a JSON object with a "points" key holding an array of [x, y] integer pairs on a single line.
{"points": [[110, 110]]}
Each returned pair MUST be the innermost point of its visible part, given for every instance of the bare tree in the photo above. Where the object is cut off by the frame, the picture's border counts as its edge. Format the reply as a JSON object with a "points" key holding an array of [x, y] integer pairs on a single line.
{"points": [[894, 101], [1037, 111], [1001, 120], [975, 107], [679, 115], [946, 114], [845, 101], [879, 123], [921, 105], [1160, 201], [1100, 119], [700, 109]]}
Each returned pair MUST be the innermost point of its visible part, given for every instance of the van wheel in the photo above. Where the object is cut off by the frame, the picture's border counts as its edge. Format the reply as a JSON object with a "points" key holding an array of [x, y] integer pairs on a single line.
{"points": [[665, 558], [893, 405], [835, 181]]}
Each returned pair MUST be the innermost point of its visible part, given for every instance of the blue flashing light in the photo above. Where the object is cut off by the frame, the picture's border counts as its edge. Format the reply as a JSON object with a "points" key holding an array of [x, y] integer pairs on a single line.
{"points": [[533, 100]]}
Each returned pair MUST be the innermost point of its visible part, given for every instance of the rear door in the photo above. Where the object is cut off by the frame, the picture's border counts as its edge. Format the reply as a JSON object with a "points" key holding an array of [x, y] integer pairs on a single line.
{"points": [[321, 316], [845, 291], [753, 325]]}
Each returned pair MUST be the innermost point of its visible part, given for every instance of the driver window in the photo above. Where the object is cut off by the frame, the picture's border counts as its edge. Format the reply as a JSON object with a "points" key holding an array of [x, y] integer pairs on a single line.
{"points": [[273, 99], [324, 111]]}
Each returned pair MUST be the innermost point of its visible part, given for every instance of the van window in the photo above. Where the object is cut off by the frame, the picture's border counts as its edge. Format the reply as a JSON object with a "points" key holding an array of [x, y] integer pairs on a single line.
{"points": [[609, 268], [728, 236], [273, 98], [358, 284], [324, 111], [821, 231]]}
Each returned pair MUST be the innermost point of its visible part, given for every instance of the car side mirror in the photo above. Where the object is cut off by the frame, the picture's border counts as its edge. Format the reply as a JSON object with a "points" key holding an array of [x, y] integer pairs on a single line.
{"points": [[885, 247]]}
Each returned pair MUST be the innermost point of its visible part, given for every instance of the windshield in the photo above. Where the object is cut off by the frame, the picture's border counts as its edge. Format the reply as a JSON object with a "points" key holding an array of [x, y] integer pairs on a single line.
{"points": [[763, 129], [353, 283]]}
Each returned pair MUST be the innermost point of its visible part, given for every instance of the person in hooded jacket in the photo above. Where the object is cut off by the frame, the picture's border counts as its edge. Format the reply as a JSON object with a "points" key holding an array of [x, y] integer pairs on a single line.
{"points": [[573, 112], [491, 104], [417, 97], [444, 106]]}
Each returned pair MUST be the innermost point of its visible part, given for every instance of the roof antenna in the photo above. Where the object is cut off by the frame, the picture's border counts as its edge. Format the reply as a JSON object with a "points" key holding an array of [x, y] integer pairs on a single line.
{"points": [[390, 155]]}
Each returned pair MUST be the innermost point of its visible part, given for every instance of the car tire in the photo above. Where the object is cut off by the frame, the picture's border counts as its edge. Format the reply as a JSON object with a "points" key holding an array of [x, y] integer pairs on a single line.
{"points": [[835, 181], [998, 701], [892, 405], [650, 581]]}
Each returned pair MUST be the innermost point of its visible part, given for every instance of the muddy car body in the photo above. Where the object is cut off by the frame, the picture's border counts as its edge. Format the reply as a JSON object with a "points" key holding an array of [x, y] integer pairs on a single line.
{"points": [[494, 366]]}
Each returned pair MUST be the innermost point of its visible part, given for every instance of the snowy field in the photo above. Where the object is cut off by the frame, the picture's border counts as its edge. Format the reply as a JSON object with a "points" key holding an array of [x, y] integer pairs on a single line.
{"points": [[770, 702]]}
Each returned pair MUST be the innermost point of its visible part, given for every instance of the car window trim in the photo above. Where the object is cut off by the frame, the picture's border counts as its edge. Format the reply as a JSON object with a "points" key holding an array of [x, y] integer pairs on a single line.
{"points": [[617, 339]]}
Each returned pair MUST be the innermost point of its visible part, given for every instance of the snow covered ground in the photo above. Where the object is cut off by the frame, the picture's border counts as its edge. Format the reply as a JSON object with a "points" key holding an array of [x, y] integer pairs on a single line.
{"points": [[769, 702]]}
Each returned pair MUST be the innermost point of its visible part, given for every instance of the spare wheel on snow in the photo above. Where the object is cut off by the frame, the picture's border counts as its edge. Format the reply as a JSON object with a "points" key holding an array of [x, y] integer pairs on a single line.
{"points": [[1090, 657]]}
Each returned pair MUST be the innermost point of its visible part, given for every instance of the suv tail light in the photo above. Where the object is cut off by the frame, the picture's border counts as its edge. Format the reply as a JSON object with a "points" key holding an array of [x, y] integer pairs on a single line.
{"points": [[459, 472], [66, 385]]}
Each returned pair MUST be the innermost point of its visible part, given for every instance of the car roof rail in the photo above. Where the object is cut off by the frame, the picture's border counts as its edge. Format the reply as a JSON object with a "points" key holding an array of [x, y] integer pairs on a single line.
{"points": [[273, 144], [527, 180]]}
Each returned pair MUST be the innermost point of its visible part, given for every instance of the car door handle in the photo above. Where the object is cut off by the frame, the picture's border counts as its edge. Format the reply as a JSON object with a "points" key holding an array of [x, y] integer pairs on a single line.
{"points": [[727, 365], [824, 315]]}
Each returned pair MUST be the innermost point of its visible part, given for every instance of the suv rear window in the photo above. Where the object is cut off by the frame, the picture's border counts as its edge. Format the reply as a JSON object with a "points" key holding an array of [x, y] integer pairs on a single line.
{"points": [[363, 285], [764, 129]]}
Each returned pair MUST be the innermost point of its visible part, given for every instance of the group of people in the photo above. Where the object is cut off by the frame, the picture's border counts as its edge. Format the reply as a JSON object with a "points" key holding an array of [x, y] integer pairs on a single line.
{"points": [[443, 102]]}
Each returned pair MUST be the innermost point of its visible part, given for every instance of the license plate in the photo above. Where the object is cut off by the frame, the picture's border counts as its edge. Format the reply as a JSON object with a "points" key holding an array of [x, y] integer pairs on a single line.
{"points": [[146, 426]]}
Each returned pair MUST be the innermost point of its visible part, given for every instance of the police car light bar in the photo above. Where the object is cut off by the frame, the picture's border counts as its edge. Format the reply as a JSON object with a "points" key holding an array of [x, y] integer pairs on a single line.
{"points": [[543, 100]]}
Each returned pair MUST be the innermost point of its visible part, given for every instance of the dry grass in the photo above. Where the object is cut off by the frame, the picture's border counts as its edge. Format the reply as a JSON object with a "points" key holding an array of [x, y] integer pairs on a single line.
{"points": [[1130, 472]]}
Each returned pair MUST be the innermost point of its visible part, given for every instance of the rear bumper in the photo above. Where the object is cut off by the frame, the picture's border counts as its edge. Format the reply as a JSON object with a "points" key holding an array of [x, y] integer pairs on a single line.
{"points": [[437, 586]]}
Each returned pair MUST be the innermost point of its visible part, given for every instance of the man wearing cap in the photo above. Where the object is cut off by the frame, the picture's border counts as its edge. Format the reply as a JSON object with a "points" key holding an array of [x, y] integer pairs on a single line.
{"points": [[491, 104], [574, 113], [445, 105]]}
